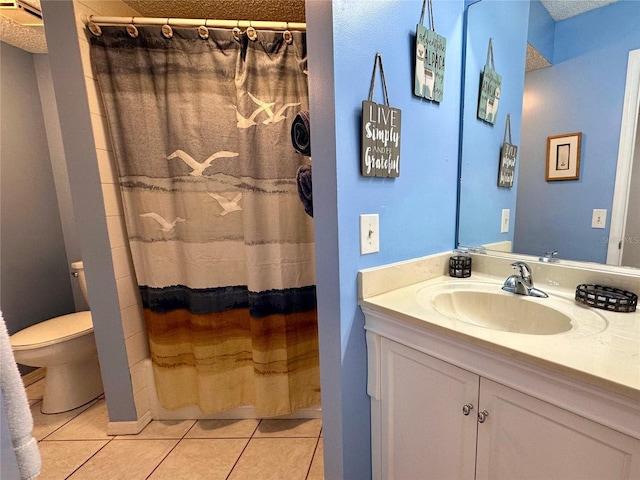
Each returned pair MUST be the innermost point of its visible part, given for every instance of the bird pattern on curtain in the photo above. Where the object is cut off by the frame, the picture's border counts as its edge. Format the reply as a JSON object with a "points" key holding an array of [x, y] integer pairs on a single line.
{"points": [[222, 248]]}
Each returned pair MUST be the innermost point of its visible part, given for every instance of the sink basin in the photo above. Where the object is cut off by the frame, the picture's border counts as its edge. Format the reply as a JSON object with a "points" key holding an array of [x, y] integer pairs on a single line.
{"points": [[486, 305], [502, 312]]}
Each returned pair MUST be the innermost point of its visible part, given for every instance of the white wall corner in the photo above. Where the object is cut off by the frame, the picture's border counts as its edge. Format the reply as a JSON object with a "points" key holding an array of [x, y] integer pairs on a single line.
{"points": [[129, 428]]}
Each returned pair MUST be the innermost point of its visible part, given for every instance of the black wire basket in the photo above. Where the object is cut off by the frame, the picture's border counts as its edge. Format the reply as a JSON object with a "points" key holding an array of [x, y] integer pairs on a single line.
{"points": [[460, 266], [606, 298]]}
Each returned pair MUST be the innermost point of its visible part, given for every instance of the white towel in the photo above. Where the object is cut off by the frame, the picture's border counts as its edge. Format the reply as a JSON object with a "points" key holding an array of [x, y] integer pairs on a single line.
{"points": [[18, 413]]}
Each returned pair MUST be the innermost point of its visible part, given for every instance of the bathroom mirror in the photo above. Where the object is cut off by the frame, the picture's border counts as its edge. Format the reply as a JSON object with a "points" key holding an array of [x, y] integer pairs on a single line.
{"points": [[582, 91]]}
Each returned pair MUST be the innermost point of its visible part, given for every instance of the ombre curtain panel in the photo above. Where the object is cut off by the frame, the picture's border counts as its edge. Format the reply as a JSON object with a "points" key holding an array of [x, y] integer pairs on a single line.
{"points": [[222, 248]]}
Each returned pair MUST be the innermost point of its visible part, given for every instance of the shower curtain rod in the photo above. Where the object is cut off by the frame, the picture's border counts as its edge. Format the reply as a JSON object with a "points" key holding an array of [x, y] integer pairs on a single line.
{"points": [[193, 22]]}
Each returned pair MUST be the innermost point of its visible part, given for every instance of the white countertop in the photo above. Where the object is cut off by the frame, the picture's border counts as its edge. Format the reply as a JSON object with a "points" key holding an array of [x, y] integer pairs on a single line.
{"points": [[609, 358]]}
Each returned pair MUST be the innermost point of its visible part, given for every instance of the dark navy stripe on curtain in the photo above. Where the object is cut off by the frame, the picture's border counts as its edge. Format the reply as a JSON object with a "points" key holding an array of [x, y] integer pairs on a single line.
{"points": [[211, 300]]}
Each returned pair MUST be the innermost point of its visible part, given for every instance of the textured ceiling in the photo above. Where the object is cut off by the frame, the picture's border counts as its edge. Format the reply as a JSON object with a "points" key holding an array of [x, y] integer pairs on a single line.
{"points": [[535, 60], [269, 10], [32, 39], [562, 9]]}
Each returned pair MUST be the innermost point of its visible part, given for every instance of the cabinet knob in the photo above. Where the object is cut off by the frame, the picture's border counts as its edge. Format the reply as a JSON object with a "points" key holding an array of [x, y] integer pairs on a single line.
{"points": [[466, 410], [482, 416]]}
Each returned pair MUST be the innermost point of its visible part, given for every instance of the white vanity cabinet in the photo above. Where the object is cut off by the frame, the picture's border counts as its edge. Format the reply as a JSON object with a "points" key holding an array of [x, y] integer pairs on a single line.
{"points": [[434, 420], [424, 433], [525, 438]]}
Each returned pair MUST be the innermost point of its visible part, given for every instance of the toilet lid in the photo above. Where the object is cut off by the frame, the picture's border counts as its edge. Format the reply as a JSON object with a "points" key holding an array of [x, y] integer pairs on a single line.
{"points": [[52, 331]]}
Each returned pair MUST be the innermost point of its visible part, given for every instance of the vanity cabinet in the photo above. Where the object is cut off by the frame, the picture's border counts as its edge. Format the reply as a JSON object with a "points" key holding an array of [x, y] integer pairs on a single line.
{"points": [[523, 437], [435, 420], [423, 430]]}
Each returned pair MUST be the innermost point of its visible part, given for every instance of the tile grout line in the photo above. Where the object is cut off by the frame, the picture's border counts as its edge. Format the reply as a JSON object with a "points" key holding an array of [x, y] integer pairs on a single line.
{"points": [[313, 456], [244, 448], [90, 457], [88, 405], [109, 439], [179, 440], [171, 450], [235, 464]]}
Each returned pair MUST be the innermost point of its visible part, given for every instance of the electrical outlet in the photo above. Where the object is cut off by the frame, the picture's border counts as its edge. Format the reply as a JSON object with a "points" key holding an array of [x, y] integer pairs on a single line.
{"points": [[369, 234], [504, 225], [599, 218]]}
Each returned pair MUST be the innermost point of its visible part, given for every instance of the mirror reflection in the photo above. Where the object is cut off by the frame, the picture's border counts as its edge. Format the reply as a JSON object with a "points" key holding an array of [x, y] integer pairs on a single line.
{"points": [[580, 88]]}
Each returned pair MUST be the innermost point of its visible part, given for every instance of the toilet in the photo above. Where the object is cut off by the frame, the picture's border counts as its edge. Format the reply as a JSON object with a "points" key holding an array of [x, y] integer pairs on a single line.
{"points": [[66, 346]]}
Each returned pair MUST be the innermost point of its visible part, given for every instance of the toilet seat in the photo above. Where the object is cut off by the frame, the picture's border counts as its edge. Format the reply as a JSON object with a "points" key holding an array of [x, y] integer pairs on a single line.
{"points": [[52, 331]]}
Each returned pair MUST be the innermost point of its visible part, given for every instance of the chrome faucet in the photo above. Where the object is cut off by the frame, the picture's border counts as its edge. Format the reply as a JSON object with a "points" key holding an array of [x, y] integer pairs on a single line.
{"points": [[522, 284], [549, 257]]}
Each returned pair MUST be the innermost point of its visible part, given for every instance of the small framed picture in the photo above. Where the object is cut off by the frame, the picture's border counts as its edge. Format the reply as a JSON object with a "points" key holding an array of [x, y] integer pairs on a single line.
{"points": [[563, 157]]}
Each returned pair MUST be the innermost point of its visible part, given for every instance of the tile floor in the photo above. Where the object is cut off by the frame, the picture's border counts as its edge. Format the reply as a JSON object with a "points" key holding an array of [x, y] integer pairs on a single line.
{"points": [[74, 445]]}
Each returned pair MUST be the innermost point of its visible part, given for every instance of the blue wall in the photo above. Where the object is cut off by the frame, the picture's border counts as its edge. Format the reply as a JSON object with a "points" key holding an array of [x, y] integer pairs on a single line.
{"points": [[541, 30], [582, 92], [34, 280], [481, 199], [417, 210]]}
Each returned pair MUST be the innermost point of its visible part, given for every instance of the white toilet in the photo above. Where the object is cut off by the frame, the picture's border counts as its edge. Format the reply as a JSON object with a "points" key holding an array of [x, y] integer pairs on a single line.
{"points": [[67, 348]]}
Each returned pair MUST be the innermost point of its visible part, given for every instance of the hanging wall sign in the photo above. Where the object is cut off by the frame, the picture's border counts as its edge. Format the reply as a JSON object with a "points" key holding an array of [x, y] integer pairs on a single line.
{"points": [[507, 168], [489, 90], [430, 58], [381, 126]]}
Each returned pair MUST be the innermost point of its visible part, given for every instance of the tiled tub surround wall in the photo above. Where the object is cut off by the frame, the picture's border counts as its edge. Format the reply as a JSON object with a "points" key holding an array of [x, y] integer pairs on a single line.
{"points": [[129, 299]]}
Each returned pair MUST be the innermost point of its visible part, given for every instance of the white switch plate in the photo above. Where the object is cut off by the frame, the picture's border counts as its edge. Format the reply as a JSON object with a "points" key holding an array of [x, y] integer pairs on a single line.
{"points": [[504, 225], [369, 234], [599, 218]]}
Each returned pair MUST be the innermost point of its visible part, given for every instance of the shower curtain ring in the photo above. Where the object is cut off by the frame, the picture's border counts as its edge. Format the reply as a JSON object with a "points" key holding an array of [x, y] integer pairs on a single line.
{"points": [[288, 38], [237, 32], [94, 28], [251, 33], [167, 31], [132, 30], [203, 32]]}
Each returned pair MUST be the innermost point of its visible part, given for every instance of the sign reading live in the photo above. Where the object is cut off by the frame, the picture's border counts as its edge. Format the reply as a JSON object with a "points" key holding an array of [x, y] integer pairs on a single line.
{"points": [[380, 140]]}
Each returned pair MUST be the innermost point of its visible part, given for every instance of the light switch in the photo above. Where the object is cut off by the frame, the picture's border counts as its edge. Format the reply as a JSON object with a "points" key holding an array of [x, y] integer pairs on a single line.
{"points": [[504, 225], [369, 234], [599, 218]]}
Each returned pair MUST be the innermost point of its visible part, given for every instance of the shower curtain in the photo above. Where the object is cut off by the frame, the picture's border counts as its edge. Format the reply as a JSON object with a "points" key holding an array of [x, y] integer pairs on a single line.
{"points": [[222, 248]]}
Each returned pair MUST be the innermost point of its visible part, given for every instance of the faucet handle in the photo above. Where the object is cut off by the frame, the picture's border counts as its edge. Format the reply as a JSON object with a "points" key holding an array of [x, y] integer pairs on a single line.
{"points": [[525, 272]]}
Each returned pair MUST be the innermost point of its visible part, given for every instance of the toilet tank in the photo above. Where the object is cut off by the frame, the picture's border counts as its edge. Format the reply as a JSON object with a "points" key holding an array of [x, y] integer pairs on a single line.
{"points": [[78, 272]]}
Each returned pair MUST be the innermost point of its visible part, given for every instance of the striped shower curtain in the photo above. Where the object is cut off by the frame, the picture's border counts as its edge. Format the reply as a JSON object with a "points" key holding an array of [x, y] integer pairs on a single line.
{"points": [[222, 248]]}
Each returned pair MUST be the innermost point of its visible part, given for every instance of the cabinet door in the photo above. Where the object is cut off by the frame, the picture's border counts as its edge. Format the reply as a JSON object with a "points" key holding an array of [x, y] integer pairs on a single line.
{"points": [[525, 438], [425, 434]]}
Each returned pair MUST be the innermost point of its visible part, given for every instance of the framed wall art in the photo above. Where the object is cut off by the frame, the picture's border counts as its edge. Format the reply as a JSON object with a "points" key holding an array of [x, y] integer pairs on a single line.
{"points": [[563, 157]]}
